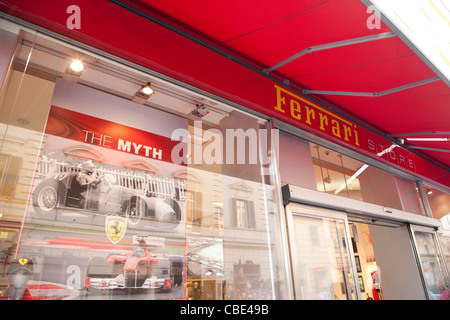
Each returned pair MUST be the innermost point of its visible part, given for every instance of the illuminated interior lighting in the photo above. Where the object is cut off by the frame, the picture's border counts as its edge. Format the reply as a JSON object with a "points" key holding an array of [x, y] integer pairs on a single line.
{"points": [[427, 139], [364, 167], [425, 24], [144, 93], [147, 89], [77, 65], [353, 177]]}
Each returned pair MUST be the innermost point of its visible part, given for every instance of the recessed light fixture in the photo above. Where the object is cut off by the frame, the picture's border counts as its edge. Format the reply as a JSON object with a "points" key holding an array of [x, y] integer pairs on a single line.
{"points": [[23, 121]]}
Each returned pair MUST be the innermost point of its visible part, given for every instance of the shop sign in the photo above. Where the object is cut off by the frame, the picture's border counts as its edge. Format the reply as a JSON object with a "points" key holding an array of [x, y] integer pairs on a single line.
{"points": [[320, 120]]}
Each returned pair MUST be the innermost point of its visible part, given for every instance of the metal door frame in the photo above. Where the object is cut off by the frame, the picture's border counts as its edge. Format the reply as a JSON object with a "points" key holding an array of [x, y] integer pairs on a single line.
{"points": [[412, 228], [296, 209]]}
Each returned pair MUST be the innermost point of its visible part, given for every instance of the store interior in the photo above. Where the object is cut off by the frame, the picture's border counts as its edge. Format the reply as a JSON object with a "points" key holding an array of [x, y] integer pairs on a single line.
{"points": [[369, 274]]}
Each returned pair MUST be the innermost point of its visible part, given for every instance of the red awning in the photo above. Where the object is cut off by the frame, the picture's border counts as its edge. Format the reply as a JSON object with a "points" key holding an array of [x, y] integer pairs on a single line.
{"points": [[268, 32], [235, 49]]}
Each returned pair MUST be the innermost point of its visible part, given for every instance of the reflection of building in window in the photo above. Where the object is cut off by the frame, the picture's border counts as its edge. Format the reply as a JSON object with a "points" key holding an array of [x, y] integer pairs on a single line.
{"points": [[315, 239], [9, 173], [218, 215], [193, 207], [246, 271], [243, 213]]}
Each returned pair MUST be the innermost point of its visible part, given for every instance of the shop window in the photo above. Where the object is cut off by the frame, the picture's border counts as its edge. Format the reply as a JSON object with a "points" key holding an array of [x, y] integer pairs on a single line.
{"points": [[309, 165], [198, 217], [439, 201], [343, 176]]}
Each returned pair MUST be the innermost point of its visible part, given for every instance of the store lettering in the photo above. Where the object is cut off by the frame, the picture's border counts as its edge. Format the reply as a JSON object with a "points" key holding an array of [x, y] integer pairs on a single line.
{"points": [[381, 150], [122, 145], [101, 140], [319, 118], [132, 147], [315, 116]]}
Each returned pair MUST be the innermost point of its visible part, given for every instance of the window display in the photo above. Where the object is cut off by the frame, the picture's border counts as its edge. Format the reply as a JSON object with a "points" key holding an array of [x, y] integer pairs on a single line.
{"points": [[98, 180], [103, 194]]}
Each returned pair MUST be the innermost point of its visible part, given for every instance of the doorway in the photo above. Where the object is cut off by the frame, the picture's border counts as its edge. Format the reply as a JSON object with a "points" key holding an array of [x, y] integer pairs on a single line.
{"points": [[335, 256], [321, 254], [368, 272], [385, 260]]}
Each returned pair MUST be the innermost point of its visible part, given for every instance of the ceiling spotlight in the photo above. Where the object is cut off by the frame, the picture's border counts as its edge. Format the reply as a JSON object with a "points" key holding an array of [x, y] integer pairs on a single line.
{"points": [[74, 71], [200, 111], [143, 93], [77, 65], [147, 89], [429, 191]]}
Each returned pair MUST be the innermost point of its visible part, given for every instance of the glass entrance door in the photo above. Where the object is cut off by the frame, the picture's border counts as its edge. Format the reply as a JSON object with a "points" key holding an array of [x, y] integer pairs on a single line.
{"points": [[321, 254], [434, 271]]}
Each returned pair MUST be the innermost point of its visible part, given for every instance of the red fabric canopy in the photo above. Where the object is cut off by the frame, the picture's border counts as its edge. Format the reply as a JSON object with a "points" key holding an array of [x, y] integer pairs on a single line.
{"points": [[267, 32], [182, 39]]}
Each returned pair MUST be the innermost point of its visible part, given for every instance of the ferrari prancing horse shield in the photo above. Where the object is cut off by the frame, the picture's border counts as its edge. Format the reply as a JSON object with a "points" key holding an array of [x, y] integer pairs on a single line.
{"points": [[115, 228]]}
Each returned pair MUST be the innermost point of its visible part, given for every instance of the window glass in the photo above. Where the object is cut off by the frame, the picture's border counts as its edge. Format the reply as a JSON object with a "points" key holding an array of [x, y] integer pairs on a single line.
{"points": [[433, 267], [322, 259], [309, 165], [439, 201], [343, 176], [440, 208], [107, 193], [444, 238]]}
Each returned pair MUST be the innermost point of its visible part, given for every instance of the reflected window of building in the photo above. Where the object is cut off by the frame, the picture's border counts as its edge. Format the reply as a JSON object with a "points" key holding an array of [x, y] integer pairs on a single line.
{"points": [[218, 215], [193, 207], [243, 214]]}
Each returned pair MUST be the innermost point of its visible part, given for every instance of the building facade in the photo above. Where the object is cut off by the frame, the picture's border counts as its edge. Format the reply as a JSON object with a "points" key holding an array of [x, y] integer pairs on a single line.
{"points": [[110, 191]]}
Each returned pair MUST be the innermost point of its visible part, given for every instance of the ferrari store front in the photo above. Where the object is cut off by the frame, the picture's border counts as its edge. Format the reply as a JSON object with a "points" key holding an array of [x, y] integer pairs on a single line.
{"points": [[118, 182]]}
